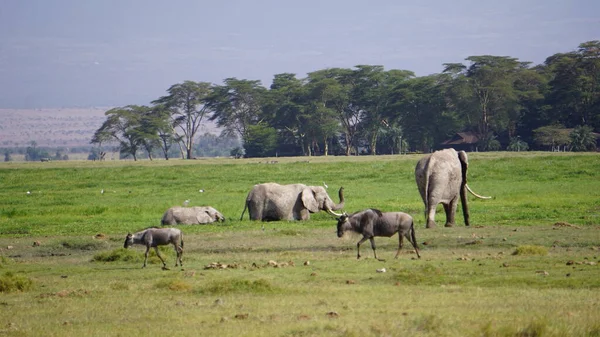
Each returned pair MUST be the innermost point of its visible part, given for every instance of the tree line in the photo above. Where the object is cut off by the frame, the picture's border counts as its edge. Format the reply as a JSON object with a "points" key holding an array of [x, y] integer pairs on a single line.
{"points": [[506, 103]]}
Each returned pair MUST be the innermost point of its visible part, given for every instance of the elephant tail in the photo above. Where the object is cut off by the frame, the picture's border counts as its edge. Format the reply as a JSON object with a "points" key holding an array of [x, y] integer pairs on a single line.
{"points": [[428, 166], [244, 211]]}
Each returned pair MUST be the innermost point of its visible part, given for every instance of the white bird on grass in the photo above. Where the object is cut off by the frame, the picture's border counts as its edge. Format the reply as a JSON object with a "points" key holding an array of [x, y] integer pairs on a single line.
{"points": [[325, 185], [185, 203], [201, 190]]}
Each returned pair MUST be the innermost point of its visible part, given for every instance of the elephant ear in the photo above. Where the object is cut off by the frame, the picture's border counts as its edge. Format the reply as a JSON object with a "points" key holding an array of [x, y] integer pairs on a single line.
{"points": [[309, 201]]}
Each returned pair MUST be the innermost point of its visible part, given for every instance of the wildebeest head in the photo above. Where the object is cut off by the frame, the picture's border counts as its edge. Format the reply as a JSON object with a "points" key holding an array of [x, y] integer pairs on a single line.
{"points": [[342, 224], [128, 240]]}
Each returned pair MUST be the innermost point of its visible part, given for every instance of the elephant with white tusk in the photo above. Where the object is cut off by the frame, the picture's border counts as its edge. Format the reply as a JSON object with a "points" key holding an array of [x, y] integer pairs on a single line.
{"points": [[442, 178], [273, 202], [191, 215]]}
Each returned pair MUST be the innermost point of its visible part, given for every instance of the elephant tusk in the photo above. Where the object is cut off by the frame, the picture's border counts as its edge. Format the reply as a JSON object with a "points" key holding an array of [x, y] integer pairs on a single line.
{"points": [[328, 210], [475, 194]]}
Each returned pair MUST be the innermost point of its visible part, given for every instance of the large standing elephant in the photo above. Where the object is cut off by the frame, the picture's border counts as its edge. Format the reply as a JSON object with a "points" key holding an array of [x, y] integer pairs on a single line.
{"points": [[442, 178], [272, 202], [191, 215]]}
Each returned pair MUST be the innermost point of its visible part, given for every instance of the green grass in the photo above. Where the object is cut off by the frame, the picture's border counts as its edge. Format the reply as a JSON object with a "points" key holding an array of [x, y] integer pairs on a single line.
{"points": [[528, 265]]}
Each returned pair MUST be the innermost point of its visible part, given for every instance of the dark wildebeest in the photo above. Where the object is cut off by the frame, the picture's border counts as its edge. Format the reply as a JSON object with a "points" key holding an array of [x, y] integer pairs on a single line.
{"points": [[372, 222], [154, 237]]}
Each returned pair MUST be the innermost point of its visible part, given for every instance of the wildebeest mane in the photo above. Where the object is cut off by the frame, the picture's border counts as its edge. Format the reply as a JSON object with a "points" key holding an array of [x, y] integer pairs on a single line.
{"points": [[379, 213]]}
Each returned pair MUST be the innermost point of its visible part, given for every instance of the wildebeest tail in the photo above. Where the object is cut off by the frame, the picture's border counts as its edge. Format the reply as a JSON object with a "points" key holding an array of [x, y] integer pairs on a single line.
{"points": [[414, 238]]}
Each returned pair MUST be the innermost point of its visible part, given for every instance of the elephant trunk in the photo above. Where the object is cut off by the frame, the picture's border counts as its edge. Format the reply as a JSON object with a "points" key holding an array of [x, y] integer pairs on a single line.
{"points": [[463, 187], [336, 207], [341, 204]]}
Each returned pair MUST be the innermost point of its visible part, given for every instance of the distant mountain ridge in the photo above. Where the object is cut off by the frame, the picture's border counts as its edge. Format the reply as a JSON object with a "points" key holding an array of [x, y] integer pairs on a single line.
{"points": [[57, 127]]}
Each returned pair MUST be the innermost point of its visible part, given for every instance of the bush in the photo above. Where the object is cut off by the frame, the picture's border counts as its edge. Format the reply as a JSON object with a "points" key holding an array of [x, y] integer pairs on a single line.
{"points": [[120, 254], [235, 285], [11, 282], [177, 285], [531, 250]]}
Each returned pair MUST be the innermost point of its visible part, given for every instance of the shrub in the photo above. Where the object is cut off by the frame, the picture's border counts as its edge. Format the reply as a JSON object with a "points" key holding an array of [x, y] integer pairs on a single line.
{"points": [[11, 282], [83, 244], [120, 254], [531, 250], [177, 285], [236, 285]]}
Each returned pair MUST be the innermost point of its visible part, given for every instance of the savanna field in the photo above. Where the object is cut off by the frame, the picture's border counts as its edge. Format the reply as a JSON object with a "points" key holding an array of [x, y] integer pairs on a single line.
{"points": [[527, 265]]}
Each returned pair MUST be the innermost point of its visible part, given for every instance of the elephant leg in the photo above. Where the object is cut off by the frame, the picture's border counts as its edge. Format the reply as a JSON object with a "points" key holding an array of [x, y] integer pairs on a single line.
{"points": [[450, 210], [430, 215]]}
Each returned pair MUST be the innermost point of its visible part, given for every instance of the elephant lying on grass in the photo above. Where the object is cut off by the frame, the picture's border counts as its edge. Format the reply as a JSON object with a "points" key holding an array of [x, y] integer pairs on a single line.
{"points": [[442, 178], [272, 202], [191, 215]]}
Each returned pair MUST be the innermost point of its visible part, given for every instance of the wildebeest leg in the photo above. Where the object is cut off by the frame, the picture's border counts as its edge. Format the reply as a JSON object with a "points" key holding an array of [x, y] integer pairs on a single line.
{"points": [[400, 244], [160, 257], [146, 256], [372, 239], [358, 246], [179, 252]]}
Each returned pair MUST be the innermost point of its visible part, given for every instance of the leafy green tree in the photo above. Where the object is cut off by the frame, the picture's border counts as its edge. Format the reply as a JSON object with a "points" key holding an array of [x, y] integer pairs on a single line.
{"points": [[582, 139], [187, 104], [328, 93], [237, 105], [159, 129], [517, 145], [286, 105], [575, 87], [260, 141], [34, 153], [123, 125], [421, 109], [371, 88], [552, 136], [491, 80]]}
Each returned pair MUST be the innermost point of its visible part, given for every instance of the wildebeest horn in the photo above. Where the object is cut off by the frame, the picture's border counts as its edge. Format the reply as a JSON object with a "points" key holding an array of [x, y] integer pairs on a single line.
{"points": [[475, 194], [328, 210]]}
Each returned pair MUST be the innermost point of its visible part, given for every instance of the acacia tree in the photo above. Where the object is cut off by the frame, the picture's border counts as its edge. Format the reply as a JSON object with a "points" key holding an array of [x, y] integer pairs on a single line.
{"points": [[124, 126], [575, 86], [371, 96], [236, 106], [187, 105], [328, 93], [552, 137], [286, 106], [421, 110], [491, 80]]}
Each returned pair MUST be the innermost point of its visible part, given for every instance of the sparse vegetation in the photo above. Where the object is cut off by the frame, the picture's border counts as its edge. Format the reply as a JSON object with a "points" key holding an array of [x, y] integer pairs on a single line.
{"points": [[10, 282], [531, 250], [299, 278]]}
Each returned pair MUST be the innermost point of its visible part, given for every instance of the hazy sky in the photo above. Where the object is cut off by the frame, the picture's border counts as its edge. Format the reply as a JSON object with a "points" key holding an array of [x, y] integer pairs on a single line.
{"points": [[80, 53]]}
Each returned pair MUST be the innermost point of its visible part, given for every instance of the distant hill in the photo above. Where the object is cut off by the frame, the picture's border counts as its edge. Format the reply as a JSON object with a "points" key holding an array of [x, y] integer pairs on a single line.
{"points": [[66, 127]]}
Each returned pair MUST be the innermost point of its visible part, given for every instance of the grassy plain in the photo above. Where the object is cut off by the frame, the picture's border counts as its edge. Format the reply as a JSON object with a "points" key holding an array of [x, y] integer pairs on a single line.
{"points": [[528, 265]]}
